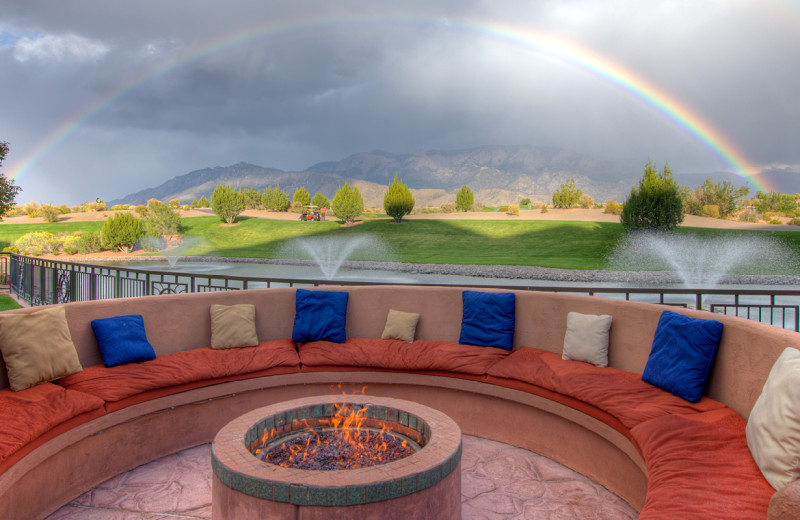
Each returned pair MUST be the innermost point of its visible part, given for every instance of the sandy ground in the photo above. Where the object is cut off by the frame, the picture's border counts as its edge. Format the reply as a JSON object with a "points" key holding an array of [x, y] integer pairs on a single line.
{"points": [[575, 214]]}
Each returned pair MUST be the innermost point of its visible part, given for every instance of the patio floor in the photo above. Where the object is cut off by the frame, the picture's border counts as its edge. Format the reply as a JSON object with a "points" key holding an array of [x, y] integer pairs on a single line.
{"points": [[498, 482]]}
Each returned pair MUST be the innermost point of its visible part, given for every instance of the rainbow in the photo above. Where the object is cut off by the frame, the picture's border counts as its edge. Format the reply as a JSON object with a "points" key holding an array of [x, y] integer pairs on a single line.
{"points": [[553, 47]]}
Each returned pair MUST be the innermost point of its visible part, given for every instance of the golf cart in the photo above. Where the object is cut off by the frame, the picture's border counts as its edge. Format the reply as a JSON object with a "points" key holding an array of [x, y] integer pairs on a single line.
{"points": [[310, 213]]}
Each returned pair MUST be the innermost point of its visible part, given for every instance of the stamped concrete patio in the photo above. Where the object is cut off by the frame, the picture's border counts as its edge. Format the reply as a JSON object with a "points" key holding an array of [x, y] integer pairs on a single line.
{"points": [[498, 482]]}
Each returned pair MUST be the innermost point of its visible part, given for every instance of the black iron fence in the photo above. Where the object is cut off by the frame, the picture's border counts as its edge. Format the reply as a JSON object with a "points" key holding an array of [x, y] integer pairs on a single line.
{"points": [[41, 282]]}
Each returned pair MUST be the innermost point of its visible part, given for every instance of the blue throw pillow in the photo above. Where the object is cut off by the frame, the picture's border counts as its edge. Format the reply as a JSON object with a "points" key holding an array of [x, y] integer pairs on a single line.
{"points": [[682, 355], [320, 315], [122, 340], [488, 319]]}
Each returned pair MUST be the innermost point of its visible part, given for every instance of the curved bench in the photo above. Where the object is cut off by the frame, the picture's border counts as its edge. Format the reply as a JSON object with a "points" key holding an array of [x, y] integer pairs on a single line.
{"points": [[653, 449]]}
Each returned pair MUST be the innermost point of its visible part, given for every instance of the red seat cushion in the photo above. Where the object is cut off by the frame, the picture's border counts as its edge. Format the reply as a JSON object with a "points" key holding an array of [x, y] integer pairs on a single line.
{"points": [[699, 467], [622, 394], [115, 383], [30, 413], [399, 355]]}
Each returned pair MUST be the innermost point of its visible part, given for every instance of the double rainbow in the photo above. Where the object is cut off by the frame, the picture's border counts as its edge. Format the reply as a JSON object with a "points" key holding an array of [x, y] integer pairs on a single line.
{"points": [[554, 47]]}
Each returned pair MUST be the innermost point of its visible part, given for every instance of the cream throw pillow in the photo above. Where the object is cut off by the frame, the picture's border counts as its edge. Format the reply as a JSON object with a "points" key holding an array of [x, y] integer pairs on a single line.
{"points": [[587, 338], [773, 429], [233, 326], [37, 347], [400, 325]]}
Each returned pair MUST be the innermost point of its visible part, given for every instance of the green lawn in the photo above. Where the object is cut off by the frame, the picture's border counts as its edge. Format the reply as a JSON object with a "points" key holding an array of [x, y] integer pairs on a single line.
{"points": [[8, 303], [560, 244]]}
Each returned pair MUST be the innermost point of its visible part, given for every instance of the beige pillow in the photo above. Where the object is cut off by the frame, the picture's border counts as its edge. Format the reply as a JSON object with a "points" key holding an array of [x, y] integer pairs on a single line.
{"points": [[233, 326], [773, 429], [400, 325], [587, 338], [37, 347]]}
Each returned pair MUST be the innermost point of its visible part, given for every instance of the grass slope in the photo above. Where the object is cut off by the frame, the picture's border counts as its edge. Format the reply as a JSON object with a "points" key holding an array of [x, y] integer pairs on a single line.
{"points": [[560, 244]]}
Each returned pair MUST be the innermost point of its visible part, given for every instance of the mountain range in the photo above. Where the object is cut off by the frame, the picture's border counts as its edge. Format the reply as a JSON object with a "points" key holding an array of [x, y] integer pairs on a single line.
{"points": [[497, 174]]}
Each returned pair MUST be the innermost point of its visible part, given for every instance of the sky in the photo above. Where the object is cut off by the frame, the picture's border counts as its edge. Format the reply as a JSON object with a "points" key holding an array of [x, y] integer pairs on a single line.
{"points": [[100, 99]]}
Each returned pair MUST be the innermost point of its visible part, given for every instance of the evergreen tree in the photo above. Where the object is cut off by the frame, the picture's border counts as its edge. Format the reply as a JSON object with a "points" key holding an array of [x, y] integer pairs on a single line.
{"points": [[347, 203], [655, 203], [227, 203], [398, 201], [275, 199], [301, 195], [320, 200], [464, 199]]}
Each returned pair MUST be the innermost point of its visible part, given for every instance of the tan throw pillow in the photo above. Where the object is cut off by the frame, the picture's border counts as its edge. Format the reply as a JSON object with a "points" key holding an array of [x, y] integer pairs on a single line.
{"points": [[400, 325], [587, 338], [233, 326], [773, 428], [37, 347]]}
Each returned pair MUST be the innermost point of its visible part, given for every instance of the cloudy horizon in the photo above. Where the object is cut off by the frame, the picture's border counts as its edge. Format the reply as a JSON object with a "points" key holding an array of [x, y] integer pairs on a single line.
{"points": [[103, 99]]}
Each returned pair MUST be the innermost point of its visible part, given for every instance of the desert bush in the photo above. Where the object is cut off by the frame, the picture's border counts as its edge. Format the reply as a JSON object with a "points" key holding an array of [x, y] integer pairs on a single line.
{"points": [[613, 207], [748, 215], [525, 202], [227, 203], [141, 209], [586, 201], [31, 209], [122, 232], [120, 207], [720, 194], [69, 243], [477, 207], [320, 200], [185, 207], [153, 202], [775, 221], [296, 207], [544, 208], [465, 199], [162, 219], [174, 203], [398, 200], [655, 203], [567, 196], [711, 210], [11, 249], [795, 221], [513, 210], [448, 207], [347, 204], [64, 209], [89, 242], [49, 213], [38, 243]]}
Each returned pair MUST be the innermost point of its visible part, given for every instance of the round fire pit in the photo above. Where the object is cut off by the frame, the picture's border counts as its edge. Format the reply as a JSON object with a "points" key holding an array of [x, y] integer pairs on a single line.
{"points": [[425, 484]]}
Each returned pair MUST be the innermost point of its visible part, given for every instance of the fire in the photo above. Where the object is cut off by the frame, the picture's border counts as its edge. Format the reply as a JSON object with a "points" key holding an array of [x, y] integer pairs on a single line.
{"points": [[341, 441]]}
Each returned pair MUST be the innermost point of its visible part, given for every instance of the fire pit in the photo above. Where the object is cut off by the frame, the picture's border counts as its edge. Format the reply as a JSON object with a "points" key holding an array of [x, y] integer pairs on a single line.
{"points": [[423, 482]]}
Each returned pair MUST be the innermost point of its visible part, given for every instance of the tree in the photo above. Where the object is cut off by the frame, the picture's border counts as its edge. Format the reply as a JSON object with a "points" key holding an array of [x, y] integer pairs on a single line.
{"points": [[464, 199], [275, 199], [227, 203], [162, 219], [301, 195], [122, 231], [721, 194], [8, 190], [398, 201], [347, 203], [655, 203], [567, 196], [320, 200], [252, 198]]}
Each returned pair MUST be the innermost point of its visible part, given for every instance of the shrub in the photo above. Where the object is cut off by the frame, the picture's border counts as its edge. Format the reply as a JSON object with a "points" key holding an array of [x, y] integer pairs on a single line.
{"points": [[31, 209], [525, 202], [347, 204], [775, 221], [174, 203], [513, 210], [711, 210], [140, 209], [567, 196], [161, 219], [655, 203], [185, 207], [64, 209], [89, 242], [120, 207], [477, 207], [398, 200], [70, 243], [544, 208], [252, 198], [153, 202], [320, 200], [448, 207], [464, 199], [775, 202], [49, 213], [301, 195], [202, 202], [38, 243], [122, 232], [749, 215], [613, 207], [227, 203], [586, 201], [296, 207]]}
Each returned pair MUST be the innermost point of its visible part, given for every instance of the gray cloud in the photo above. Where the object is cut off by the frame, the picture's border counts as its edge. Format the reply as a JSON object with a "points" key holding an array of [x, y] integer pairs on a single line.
{"points": [[329, 79]]}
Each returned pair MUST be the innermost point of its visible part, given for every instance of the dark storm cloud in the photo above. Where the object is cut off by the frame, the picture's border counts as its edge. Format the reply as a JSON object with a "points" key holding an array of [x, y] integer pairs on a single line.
{"points": [[418, 79]]}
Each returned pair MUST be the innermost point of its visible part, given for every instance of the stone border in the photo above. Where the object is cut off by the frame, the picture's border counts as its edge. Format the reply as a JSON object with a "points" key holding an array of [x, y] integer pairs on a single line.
{"points": [[237, 467]]}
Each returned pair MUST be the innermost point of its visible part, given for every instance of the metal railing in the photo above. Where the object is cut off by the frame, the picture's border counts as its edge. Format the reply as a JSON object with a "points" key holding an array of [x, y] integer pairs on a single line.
{"points": [[42, 282]]}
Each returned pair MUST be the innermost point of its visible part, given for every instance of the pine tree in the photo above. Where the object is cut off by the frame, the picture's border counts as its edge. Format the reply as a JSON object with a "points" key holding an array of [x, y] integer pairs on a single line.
{"points": [[398, 200], [347, 203], [301, 195]]}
